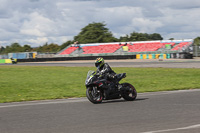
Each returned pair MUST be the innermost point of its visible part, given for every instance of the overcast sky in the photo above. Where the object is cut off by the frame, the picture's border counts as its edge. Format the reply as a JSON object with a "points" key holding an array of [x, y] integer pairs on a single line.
{"points": [[36, 22]]}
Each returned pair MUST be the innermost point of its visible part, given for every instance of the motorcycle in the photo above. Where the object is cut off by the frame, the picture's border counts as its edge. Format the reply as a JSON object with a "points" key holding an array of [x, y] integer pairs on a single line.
{"points": [[98, 88]]}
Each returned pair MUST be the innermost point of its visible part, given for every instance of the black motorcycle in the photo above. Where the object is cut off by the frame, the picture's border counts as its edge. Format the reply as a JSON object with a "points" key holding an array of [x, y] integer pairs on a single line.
{"points": [[98, 88]]}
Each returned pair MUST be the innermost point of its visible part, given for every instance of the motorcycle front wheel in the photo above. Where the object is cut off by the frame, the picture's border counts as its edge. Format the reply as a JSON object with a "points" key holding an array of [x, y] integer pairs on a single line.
{"points": [[94, 96], [129, 92]]}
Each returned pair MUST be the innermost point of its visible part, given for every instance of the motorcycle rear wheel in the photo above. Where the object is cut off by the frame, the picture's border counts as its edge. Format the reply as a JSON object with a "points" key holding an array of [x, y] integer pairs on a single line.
{"points": [[94, 97], [130, 92]]}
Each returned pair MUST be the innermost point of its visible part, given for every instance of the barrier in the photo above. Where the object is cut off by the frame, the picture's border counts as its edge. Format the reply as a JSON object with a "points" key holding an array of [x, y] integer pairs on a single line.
{"points": [[168, 56], [106, 57], [141, 56], [147, 56], [157, 56], [164, 56], [138, 56], [93, 57], [152, 56], [7, 60], [144, 56], [2, 60]]}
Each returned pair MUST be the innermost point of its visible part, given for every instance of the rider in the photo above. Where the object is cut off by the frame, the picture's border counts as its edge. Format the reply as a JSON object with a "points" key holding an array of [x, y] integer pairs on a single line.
{"points": [[105, 69]]}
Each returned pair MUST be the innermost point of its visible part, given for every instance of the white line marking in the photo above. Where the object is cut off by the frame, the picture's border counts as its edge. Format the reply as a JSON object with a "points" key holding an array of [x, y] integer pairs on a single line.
{"points": [[175, 129], [166, 92], [72, 100], [44, 103]]}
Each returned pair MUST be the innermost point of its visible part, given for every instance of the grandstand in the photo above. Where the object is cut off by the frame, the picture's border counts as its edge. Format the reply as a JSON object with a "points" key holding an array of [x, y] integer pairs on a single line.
{"points": [[163, 49], [126, 48]]}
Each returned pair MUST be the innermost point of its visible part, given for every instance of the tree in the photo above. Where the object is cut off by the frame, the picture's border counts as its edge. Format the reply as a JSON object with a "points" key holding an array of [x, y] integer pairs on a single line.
{"points": [[138, 36], [48, 48], [135, 36], [16, 47], [95, 33], [27, 48], [124, 39], [2, 49], [53, 47], [155, 36]]}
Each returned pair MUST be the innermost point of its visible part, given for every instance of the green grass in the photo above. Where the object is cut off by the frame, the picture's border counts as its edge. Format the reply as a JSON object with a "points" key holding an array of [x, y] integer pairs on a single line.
{"points": [[24, 83]]}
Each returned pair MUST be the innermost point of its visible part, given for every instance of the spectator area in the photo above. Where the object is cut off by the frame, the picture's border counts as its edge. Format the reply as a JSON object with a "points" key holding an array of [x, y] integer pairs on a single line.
{"points": [[144, 46], [68, 50]]}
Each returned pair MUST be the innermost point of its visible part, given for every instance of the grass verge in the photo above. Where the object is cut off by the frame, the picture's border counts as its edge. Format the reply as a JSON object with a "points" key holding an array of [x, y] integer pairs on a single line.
{"points": [[24, 83]]}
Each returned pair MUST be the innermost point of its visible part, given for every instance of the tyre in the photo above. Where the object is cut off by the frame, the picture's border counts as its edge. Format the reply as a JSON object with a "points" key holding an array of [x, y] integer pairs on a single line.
{"points": [[129, 92], [94, 97]]}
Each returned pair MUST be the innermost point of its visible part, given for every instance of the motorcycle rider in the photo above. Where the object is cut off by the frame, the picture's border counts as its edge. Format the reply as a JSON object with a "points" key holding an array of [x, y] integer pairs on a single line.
{"points": [[105, 70]]}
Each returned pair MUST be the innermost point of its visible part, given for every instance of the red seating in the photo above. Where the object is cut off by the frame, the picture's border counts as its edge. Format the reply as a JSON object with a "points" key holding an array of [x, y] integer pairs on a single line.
{"points": [[108, 48], [150, 46], [180, 45], [69, 50], [141, 47]]}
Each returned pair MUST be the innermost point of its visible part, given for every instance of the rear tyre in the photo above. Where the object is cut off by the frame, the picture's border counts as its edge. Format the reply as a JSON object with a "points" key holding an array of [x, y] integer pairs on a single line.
{"points": [[94, 97], [129, 92]]}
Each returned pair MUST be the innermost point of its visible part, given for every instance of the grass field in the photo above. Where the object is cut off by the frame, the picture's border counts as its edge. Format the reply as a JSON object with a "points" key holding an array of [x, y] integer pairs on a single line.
{"points": [[24, 83]]}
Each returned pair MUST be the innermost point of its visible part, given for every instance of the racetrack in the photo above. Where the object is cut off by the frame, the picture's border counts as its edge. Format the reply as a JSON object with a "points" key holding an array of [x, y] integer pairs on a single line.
{"points": [[158, 112], [168, 63]]}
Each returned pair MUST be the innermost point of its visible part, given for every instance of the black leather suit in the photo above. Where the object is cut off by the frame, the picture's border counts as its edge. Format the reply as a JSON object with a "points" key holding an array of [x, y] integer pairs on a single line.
{"points": [[107, 72]]}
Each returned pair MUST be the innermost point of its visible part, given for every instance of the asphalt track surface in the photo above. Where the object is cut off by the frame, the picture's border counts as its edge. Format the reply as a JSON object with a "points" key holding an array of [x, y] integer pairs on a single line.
{"points": [[158, 112]]}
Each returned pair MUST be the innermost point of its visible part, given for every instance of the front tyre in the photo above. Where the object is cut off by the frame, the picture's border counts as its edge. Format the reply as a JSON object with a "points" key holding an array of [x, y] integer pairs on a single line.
{"points": [[94, 95], [129, 92]]}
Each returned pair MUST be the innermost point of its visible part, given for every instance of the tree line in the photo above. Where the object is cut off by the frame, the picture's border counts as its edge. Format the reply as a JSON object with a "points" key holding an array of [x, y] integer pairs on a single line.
{"points": [[92, 33]]}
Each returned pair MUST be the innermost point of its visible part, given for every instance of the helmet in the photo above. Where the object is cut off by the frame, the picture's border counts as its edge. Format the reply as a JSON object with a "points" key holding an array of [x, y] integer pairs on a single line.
{"points": [[99, 62]]}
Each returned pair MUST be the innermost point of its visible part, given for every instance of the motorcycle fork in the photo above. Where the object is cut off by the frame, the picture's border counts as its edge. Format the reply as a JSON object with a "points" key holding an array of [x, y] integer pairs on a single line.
{"points": [[95, 89]]}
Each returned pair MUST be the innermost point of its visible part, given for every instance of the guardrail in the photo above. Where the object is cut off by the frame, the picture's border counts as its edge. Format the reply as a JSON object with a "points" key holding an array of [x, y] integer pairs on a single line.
{"points": [[110, 57], [7, 61], [107, 57]]}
